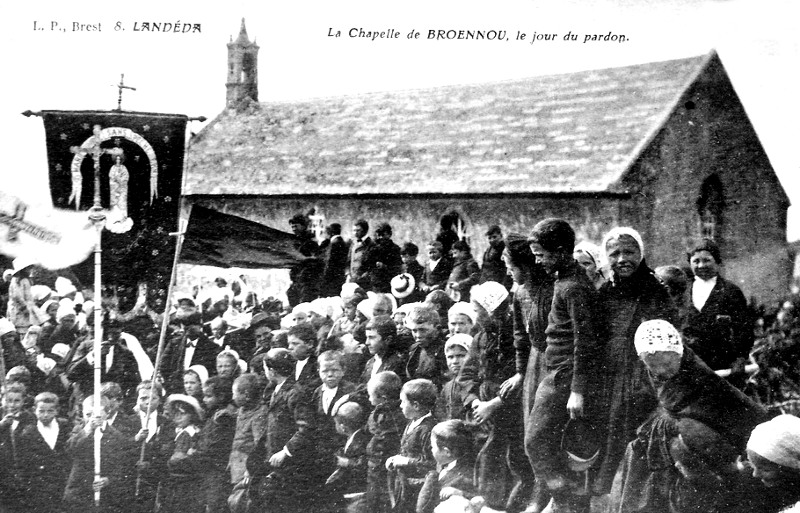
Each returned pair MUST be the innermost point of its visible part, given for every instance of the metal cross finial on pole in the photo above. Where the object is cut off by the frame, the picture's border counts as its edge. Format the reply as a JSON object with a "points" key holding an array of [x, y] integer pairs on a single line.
{"points": [[120, 87]]}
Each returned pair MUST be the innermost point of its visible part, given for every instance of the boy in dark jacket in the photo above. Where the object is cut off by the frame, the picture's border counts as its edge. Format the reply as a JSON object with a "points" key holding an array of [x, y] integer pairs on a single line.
{"points": [[285, 459], [426, 358], [43, 461], [118, 457], [417, 400], [14, 421], [571, 354], [350, 476], [386, 425]]}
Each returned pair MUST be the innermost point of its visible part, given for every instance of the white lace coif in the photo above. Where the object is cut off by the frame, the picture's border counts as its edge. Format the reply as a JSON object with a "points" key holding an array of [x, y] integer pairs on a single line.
{"points": [[656, 336]]}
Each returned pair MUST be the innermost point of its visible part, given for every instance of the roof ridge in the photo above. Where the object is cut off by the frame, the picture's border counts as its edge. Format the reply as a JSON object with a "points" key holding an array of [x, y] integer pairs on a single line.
{"points": [[462, 85]]}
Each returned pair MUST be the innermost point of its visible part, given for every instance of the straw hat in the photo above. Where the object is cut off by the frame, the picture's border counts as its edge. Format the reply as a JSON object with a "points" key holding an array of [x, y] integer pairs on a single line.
{"points": [[403, 285], [183, 398]]}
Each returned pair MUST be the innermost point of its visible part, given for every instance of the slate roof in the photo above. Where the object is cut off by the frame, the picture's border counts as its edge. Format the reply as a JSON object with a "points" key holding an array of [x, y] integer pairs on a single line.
{"points": [[574, 132]]}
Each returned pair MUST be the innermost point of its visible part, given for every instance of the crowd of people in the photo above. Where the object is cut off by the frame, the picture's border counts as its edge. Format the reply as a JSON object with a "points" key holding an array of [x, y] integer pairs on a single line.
{"points": [[554, 376]]}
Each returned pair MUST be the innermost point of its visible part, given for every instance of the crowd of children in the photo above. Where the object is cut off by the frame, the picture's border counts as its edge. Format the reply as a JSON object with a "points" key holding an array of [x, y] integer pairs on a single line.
{"points": [[413, 400]]}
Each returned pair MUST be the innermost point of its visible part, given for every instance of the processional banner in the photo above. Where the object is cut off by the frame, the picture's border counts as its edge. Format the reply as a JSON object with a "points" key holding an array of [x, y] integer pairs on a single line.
{"points": [[140, 158]]}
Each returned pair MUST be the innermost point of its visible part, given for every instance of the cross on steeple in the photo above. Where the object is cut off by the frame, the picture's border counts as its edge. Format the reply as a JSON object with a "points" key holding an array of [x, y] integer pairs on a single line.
{"points": [[120, 87]]}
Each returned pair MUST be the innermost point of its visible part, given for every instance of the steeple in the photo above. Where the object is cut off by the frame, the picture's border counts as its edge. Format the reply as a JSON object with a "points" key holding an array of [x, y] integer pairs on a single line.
{"points": [[242, 81]]}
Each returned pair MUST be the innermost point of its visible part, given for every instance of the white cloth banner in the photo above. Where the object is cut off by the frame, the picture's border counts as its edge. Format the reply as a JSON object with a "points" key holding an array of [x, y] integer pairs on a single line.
{"points": [[53, 238]]}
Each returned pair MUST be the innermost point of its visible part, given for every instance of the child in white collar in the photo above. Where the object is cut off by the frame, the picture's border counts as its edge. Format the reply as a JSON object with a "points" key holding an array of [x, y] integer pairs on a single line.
{"points": [[182, 491]]}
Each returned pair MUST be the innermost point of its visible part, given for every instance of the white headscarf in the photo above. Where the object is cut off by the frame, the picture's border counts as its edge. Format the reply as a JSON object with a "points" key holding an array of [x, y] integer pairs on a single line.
{"points": [[590, 249], [463, 308], [461, 340], [778, 440], [489, 295], [615, 233]]}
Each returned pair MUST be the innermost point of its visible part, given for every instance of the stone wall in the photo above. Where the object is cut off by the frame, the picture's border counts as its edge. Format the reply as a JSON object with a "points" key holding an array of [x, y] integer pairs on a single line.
{"points": [[709, 133], [417, 220]]}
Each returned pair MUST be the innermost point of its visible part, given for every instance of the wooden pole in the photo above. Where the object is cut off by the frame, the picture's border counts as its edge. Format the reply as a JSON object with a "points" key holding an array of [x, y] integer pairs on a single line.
{"points": [[98, 218], [162, 339]]}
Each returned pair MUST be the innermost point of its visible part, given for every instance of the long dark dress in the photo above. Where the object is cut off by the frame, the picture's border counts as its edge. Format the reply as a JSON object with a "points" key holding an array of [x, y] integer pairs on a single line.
{"points": [[531, 306], [629, 397]]}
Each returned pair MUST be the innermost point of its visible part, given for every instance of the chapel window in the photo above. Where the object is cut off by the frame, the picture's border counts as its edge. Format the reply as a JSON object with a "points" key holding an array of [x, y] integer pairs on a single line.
{"points": [[710, 206]]}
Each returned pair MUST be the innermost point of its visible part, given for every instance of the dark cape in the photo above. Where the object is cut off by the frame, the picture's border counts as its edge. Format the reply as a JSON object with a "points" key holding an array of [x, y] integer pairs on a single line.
{"points": [[628, 396], [696, 392]]}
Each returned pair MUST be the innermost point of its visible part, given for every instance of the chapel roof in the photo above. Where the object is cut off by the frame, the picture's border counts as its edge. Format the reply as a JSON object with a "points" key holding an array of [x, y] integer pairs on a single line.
{"points": [[570, 133]]}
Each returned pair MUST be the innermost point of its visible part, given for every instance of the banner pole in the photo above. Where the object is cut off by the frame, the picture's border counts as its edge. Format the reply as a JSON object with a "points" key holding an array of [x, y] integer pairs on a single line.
{"points": [[162, 338], [98, 218]]}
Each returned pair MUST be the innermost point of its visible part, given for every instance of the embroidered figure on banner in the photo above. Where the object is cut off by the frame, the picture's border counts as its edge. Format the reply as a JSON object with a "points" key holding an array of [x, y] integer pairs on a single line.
{"points": [[117, 219], [118, 198]]}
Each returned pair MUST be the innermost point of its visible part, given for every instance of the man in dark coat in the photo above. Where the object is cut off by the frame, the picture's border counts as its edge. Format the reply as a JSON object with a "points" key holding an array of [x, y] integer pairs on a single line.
{"points": [[717, 324], [184, 350], [493, 268], [305, 275], [383, 260], [360, 246], [119, 363], [335, 254]]}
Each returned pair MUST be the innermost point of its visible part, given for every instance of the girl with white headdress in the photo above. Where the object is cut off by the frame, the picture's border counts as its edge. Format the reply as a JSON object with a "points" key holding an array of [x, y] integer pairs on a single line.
{"points": [[588, 256], [632, 295]]}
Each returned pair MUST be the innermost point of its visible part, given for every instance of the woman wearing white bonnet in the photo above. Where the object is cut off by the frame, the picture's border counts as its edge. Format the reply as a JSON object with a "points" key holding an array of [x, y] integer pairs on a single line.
{"points": [[503, 472], [659, 346], [774, 453], [686, 388], [631, 296], [588, 256]]}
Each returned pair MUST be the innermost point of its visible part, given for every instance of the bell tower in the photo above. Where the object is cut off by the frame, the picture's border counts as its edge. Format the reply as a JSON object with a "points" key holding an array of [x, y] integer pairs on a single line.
{"points": [[242, 70]]}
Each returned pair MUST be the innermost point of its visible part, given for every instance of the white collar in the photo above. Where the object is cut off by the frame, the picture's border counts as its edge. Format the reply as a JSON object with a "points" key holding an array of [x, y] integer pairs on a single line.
{"points": [[49, 433], [298, 369], [710, 282], [449, 466], [189, 430], [53, 425], [152, 426], [414, 423]]}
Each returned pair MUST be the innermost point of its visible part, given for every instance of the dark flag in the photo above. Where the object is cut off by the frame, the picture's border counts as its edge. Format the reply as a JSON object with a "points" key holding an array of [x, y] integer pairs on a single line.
{"points": [[224, 240], [141, 167]]}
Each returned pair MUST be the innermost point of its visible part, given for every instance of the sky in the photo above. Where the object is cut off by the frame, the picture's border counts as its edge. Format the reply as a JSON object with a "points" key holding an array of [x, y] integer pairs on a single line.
{"points": [[185, 73]]}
